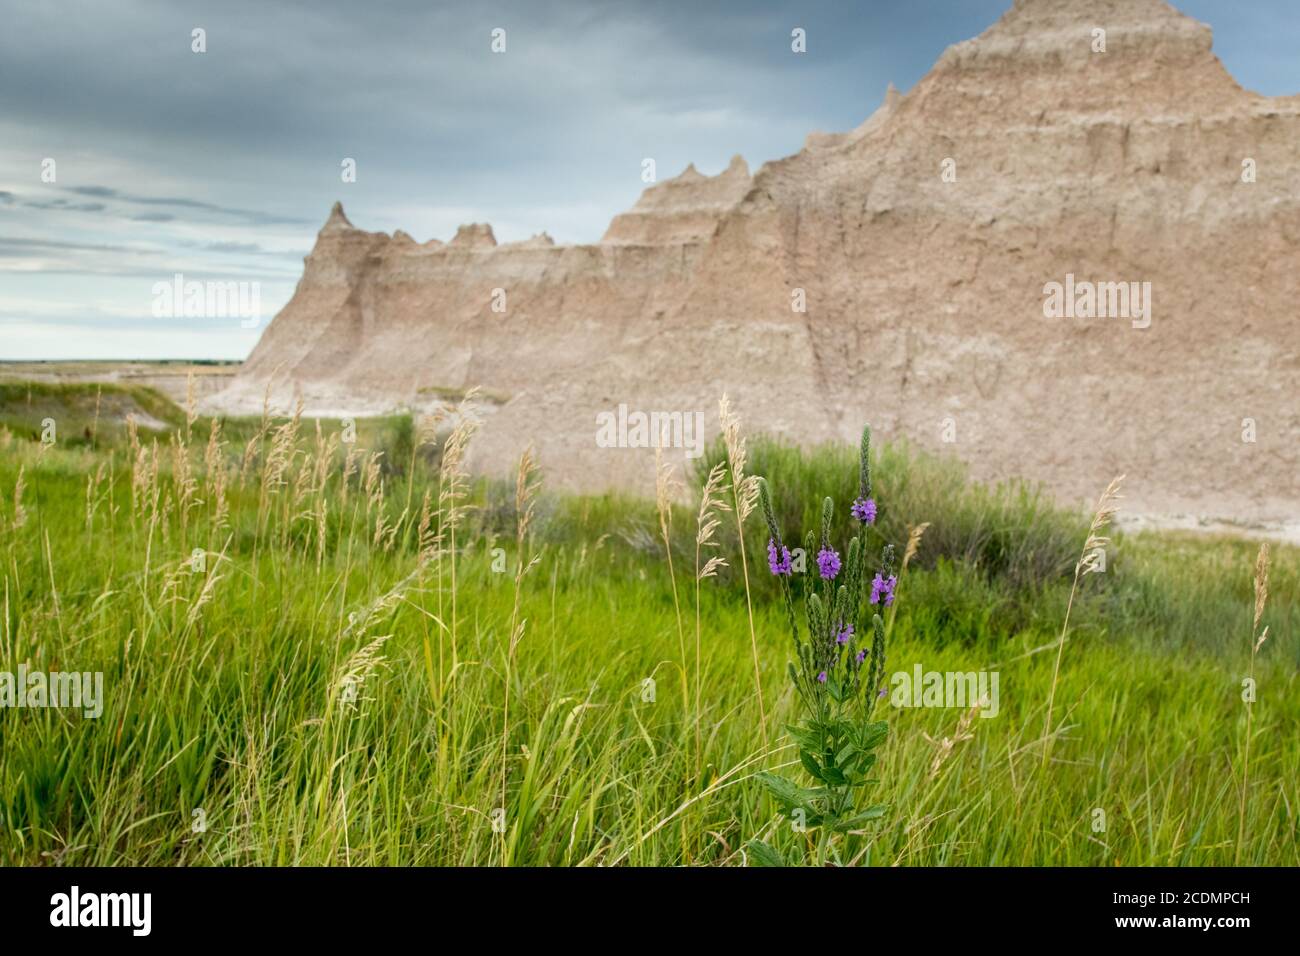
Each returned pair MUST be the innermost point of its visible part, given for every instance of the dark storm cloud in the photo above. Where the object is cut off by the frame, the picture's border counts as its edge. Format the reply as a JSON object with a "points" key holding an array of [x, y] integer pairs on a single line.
{"points": [[243, 248], [237, 151], [250, 216], [16, 246], [233, 247], [63, 205], [153, 263], [103, 192], [259, 123], [412, 91]]}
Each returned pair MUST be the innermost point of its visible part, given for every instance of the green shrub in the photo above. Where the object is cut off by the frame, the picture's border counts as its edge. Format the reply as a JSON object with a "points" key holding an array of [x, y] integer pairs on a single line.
{"points": [[1008, 531]]}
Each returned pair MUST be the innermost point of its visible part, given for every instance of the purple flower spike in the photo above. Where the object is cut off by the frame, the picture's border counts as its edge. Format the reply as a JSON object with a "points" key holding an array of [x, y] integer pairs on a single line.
{"points": [[828, 563], [779, 564], [845, 633], [821, 678], [864, 509], [883, 587], [862, 655]]}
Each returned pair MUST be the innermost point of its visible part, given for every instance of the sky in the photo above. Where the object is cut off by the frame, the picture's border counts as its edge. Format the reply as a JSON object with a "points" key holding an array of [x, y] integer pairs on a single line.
{"points": [[221, 166]]}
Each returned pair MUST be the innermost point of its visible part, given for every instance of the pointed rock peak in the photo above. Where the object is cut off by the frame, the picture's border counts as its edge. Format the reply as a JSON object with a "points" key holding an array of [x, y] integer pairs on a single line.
{"points": [[402, 235], [868, 126], [1073, 10], [475, 235], [338, 220], [540, 240], [1050, 28], [737, 168]]}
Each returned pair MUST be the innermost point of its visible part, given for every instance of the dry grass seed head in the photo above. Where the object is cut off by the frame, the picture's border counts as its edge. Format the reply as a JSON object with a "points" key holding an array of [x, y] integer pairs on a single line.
{"points": [[914, 542], [527, 484], [665, 487], [1107, 507], [746, 488], [946, 745], [20, 513], [355, 671], [1261, 582]]}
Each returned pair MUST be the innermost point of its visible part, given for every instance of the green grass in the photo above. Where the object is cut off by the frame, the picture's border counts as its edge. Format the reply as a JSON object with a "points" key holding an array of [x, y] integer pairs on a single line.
{"points": [[83, 414], [226, 689]]}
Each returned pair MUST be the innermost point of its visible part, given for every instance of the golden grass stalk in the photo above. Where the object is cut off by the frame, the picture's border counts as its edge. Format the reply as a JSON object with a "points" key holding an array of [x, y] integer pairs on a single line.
{"points": [[93, 481], [191, 414], [255, 442], [744, 494], [152, 487], [453, 488], [706, 524], [220, 507], [914, 535], [527, 483], [20, 513], [183, 481], [426, 539], [1257, 639], [665, 487], [212, 458], [133, 433], [209, 588], [944, 747], [351, 464], [139, 463], [1088, 563], [351, 676]]}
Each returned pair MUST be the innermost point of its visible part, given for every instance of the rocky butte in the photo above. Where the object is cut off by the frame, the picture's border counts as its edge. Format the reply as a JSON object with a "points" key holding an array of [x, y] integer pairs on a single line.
{"points": [[923, 245]]}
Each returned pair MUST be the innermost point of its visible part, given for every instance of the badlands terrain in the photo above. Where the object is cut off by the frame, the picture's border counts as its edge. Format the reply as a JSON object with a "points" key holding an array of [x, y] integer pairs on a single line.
{"points": [[921, 246]]}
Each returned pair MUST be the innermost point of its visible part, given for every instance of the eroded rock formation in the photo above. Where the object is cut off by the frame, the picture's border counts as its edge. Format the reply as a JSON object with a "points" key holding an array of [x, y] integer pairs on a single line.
{"points": [[924, 292]]}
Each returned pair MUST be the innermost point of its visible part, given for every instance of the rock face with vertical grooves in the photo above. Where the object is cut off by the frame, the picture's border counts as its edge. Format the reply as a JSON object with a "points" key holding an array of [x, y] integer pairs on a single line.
{"points": [[924, 293]]}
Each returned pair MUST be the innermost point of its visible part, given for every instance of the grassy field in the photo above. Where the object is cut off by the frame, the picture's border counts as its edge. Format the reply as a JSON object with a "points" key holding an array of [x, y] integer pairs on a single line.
{"points": [[318, 651]]}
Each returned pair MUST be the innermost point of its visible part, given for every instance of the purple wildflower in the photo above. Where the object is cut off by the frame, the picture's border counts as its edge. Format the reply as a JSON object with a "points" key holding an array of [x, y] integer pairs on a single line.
{"points": [[864, 509], [890, 584], [821, 678], [862, 655], [779, 565], [881, 586], [846, 631], [828, 563]]}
